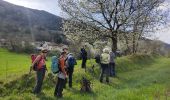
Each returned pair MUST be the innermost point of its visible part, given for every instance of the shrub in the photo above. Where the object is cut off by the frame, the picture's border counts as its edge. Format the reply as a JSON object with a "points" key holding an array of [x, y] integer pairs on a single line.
{"points": [[18, 48], [54, 53]]}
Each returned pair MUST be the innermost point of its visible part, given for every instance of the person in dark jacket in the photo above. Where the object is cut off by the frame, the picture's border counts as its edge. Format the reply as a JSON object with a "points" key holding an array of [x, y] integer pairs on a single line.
{"points": [[84, 57]]}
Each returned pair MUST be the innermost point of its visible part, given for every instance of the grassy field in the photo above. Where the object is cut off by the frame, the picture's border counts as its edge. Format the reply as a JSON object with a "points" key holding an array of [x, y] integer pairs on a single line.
{"points": [[140, 77]]}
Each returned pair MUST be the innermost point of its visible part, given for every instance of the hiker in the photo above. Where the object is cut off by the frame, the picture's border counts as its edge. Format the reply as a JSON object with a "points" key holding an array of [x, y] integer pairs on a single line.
{"points": [[66, 50], [41, 69], [62, 75], [105, 58], [71, 61], [112, 64], [84, 57]]}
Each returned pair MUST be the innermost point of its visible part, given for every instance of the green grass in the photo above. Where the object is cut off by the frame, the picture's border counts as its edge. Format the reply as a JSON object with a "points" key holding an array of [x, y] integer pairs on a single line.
{"points": [[140, 77]]}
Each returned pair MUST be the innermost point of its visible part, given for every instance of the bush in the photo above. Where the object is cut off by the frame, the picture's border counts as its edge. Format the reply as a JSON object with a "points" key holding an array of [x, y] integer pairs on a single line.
{"points": [[28, 49], [18, 48], [54, 53]]}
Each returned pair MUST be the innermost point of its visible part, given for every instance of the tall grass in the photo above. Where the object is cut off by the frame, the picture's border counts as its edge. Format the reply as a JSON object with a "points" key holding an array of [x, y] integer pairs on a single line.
{"points": [[140, 77]]}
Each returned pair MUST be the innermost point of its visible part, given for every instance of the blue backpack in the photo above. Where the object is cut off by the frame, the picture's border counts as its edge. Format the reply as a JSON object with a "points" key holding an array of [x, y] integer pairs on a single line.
{"points": [[54, 65], [71, 61]]}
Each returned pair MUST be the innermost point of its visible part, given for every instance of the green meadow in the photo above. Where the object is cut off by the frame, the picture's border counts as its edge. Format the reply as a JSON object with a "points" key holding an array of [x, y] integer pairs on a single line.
{"points": [[139, 77]]}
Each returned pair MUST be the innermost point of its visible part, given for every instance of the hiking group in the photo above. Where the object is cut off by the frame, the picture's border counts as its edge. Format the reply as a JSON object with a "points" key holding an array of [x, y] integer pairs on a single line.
{"points": [[63, 67]]}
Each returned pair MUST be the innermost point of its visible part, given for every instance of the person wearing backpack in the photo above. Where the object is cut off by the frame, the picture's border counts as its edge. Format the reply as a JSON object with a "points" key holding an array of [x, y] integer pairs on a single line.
{"points": [[105, 58], [71, 61], [65, 49], [62, 75], [39, 66]]}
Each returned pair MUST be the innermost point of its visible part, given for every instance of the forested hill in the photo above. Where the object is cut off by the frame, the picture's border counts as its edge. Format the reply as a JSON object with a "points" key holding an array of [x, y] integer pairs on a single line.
{"points": [[18, 19]]}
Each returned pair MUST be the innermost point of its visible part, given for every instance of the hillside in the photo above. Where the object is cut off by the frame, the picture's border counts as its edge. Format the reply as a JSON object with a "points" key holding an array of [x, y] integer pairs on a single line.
{"points": [[35, 23], [140, 77]]}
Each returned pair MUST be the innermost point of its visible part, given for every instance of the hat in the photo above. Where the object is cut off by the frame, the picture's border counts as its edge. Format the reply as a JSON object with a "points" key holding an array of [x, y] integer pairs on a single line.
{"points": [[44, 50]]}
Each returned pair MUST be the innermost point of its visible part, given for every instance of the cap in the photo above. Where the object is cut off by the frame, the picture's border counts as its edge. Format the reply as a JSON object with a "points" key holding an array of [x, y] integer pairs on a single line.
{"points": [[44, 50]]}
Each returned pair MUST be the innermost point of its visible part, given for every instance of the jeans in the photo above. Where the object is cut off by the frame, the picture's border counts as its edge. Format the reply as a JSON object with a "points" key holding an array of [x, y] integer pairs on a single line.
{"points": [[59, 87], [84, 63], [39, 80], [70, 75], [104, 70]]}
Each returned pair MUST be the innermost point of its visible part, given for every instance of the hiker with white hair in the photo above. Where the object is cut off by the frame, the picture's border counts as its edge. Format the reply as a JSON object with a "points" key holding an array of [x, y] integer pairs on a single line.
{"points": [[105, 59]]}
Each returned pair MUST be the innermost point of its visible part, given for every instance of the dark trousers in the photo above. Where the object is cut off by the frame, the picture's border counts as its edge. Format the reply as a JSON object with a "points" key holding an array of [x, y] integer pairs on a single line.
{"points": [[59, 87], [104, 70], [70, 75], [112, 69], [39, 80], [83, 65]]}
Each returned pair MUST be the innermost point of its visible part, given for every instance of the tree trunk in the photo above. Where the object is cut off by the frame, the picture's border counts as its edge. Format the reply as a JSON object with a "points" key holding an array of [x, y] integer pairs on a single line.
{"points": [[133, 44], [127, 44], [114, 43]]}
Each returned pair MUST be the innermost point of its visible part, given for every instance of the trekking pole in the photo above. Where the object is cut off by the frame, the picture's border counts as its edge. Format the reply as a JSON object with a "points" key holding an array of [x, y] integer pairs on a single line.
{"points": [[30, 70], [6, 69]]}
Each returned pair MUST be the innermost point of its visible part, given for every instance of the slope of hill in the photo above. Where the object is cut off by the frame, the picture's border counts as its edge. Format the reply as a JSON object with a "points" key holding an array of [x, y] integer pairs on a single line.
{"points": [[20, 20], [140, 77]]}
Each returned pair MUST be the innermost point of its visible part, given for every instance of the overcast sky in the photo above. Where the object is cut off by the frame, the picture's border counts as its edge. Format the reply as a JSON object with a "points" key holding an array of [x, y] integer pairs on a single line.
{"points": [[47, 5], [52, 7]]}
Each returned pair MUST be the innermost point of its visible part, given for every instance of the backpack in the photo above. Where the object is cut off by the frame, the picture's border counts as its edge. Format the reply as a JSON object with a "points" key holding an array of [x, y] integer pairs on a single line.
{"points": [[33, 57], [97, 59], [54, 65], [71, 61]]}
